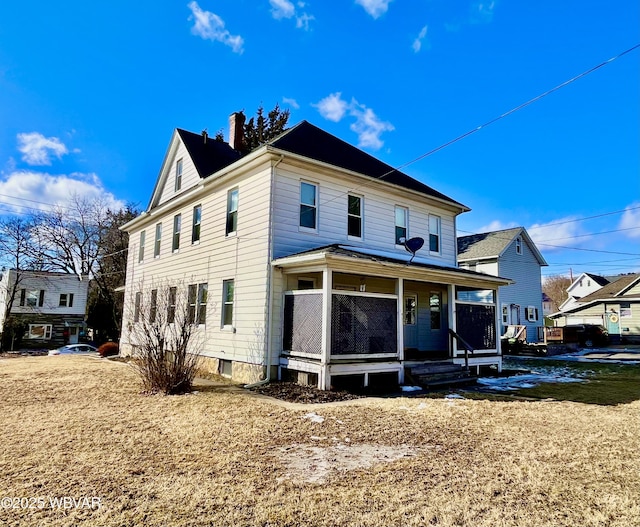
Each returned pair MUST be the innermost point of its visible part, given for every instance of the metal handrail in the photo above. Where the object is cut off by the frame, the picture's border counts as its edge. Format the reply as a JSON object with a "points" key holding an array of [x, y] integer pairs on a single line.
{"points": [[467, 347]]}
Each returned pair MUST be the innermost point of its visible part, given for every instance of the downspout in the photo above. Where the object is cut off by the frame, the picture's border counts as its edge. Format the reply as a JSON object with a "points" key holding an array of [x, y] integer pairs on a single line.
{"points": [[267, 358]]}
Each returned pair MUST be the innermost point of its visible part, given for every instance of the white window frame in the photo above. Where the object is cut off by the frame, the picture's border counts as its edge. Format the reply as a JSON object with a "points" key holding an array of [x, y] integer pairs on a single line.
{"points": [[435, 231], [228, 304], [177, 227], [46, 334], [178, 178], [519, 247], [141, 248], [157, 241], [405, 220], [359, 216], [532, 314], [505, 314], [196, 225], [311, 206], [231, 223]]}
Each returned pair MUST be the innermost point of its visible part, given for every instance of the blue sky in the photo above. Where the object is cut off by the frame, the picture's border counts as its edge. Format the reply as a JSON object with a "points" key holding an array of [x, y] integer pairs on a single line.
{"points": [[90, 93]]}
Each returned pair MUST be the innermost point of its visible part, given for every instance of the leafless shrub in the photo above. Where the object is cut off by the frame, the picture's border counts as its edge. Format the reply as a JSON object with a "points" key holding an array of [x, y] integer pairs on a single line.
{"points": [[166, 338]]}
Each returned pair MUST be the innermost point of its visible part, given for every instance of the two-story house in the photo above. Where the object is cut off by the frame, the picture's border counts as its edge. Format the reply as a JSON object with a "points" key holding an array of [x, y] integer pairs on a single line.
{"points": [[51, 305], [583, 285], [295, 263], [512, 253]]}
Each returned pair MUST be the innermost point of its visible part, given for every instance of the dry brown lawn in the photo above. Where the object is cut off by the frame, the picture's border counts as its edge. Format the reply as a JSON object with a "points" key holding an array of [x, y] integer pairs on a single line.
{"points": [[78, 427]]}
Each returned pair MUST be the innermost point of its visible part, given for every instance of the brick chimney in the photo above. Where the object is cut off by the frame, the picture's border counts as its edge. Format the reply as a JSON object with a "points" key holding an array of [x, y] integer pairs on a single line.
{"points": [[236, 130]]}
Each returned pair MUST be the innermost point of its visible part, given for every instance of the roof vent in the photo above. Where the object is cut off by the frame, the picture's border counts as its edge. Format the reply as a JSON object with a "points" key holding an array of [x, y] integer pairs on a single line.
{"points": [[205, 136]]}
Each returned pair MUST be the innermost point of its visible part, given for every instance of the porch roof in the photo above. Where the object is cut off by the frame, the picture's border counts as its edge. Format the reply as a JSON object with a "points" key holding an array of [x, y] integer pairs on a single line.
{"points": [[349, 259]]}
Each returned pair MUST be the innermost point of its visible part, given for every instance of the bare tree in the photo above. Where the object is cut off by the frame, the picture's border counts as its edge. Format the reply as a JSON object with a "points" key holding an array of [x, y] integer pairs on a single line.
{"points": [[555, 287], [16, 256], [164, 331]]}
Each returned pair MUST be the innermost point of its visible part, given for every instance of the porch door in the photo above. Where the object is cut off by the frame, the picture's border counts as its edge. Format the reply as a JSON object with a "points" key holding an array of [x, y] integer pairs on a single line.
{"points": [[411, 321], [73, 335], [514, 315]]}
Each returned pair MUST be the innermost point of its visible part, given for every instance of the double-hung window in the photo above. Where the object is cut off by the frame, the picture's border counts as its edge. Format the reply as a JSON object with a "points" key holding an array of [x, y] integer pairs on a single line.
{"points": [[158, 239], [435, 306], [153, 308], [308, 206], [141, 248], [178, 184], [228, 294], [232, 212], [202, 303], [177, 225], [32, 297], [197, 220], [66, 300], [197, 298], [434, 233], [171, 304], [401, 225], [532, 314], [354, 216]]}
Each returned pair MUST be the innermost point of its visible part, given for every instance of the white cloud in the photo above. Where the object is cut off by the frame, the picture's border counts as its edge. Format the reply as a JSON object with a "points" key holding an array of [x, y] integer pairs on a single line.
{"points": [[285, 9], [417, 43], [22, 191], [368, 126], [332, 107], [482, 11], [375, 8], [495, 225], [557, 234], [631, 220], [37, 149], [291, 102], [210, 26]]}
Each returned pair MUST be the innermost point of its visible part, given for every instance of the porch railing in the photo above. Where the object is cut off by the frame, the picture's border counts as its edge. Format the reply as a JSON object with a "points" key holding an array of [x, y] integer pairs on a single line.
{"points": [[467, 347]]}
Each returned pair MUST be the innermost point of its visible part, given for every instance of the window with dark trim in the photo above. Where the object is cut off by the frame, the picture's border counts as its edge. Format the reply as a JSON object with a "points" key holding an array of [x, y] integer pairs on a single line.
{"points": [[171, 305], [434, 233], [153, 308], [401, 225]]}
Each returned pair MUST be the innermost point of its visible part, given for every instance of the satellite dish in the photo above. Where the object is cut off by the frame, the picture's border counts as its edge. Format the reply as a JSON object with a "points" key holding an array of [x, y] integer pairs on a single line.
{"points": [[413, 245]]}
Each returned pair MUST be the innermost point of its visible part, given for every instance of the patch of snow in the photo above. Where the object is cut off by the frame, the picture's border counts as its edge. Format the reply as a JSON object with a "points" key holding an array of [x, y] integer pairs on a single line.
{"points": [[410, 388], [453, 396], [313, 417], [530, 380]]}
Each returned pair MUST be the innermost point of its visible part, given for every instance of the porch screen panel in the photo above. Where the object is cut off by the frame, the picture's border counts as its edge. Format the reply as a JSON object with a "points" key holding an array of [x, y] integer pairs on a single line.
{"points": [[477, 325], [363, 325], [303, 323]]}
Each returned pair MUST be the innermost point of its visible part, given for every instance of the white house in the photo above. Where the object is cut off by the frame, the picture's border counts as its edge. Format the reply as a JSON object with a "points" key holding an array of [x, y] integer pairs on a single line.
{"points": [[583, 285], [51, 305], [294, 262], [512, 253]]}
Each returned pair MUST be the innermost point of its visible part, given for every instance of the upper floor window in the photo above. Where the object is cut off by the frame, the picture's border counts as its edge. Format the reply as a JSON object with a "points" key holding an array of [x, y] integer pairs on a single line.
{"points": [[156, 243], [228, 294], [197, 220], [401, 225], [519, 246], [354, 216], [178, 184], [32, 297], [532, 314], [308, 205], [177, 225], [66, 300], [232, 212], [434, 233], [141, 248]]}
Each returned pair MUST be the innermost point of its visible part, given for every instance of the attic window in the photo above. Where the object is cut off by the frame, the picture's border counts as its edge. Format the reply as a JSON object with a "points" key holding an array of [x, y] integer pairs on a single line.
{"points": [[178, 175], [518, 245]]}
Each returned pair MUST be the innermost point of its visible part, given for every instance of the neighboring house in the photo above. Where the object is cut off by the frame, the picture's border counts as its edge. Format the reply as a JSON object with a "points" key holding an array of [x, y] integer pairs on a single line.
{"points": [[512, 253], [582, 286], [547, 304], [293, 261], [615, 305], [51, 305]]}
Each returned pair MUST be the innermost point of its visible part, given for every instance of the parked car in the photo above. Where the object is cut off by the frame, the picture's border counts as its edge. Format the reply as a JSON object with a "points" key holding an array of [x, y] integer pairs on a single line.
{"points": [[74, 349], [589, 335]]}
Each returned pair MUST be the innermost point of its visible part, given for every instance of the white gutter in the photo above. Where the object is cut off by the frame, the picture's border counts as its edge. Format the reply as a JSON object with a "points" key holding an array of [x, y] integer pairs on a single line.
{"points": [[270, 270]]}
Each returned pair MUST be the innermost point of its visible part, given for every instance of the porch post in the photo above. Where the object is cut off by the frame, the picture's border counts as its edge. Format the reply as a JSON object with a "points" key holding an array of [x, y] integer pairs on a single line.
{"points": [[498, 325], [324, 380], [451, 289], [400, 328]]}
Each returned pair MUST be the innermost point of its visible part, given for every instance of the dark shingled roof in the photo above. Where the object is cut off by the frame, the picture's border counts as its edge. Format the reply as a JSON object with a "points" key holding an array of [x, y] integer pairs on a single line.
{"points": [[485, 245], [210, 156], [611, 290], [310, 141]]}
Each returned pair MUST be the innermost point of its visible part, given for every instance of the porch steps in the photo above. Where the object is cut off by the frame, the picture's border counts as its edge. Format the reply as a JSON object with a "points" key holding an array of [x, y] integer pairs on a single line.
{"points": [[435, 374]]}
